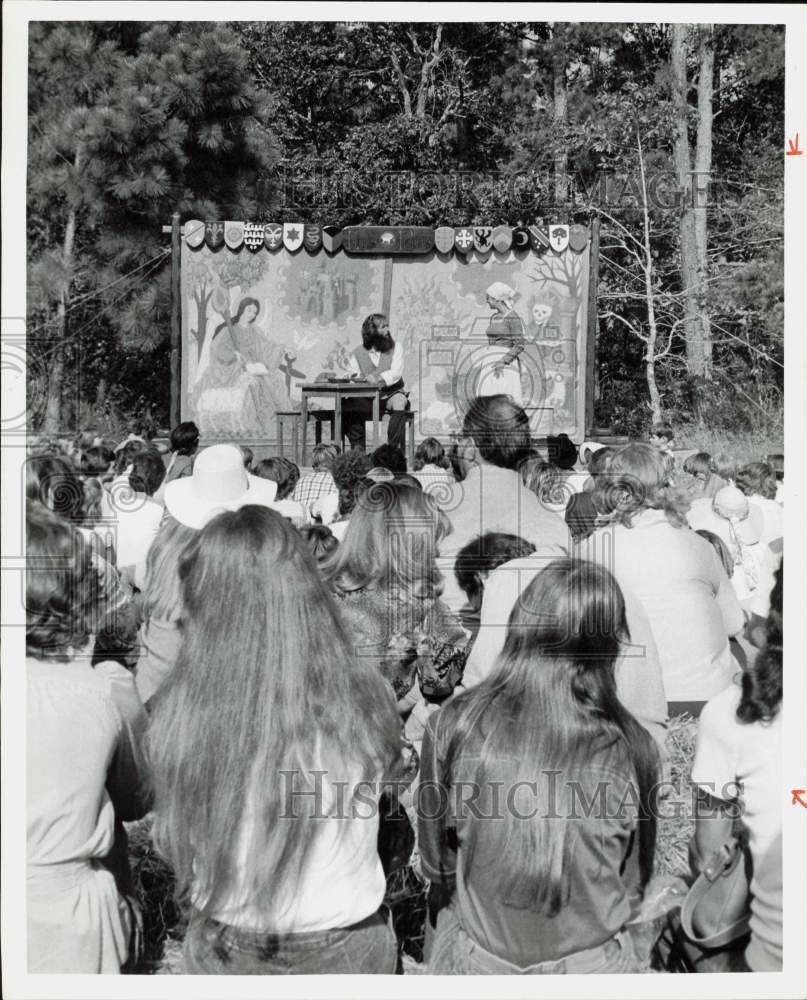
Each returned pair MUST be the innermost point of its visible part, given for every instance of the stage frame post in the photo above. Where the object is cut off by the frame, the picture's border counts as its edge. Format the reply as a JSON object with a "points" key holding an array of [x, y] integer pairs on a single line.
{"points": [[176, 319]]}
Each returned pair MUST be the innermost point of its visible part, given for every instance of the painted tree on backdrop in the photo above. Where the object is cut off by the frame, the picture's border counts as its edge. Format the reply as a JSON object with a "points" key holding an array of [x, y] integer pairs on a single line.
{"points": [[127, 124]]}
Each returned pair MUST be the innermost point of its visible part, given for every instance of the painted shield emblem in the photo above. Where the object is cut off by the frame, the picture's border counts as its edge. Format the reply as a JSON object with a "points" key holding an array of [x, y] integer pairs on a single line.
{"points": [[233, 234], [214, 234], [194, 233], [539, 238], [482, 239], [444, 239], [559, 238], [502, 239], [272, 235], [521, 239], [331, 238], [293, 233], [464, 240], [578, 238], [312, 237], [253, 236]]}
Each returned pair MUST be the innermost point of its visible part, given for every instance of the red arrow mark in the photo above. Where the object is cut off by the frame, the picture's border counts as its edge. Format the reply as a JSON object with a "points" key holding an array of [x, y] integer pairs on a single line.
{"points": [[797, 796], [794, 149]]}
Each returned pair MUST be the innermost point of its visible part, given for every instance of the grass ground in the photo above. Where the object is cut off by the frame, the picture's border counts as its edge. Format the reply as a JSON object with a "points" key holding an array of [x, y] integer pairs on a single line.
{"points": [[742, 447], [405, 891]]}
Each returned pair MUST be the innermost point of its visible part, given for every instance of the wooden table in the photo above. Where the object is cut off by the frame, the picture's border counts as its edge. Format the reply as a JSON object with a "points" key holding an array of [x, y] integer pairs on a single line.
{"points": [[340, 391]]}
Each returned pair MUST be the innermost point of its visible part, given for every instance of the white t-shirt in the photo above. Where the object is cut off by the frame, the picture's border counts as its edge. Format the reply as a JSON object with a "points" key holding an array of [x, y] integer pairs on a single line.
{"points": [[732, 752]]}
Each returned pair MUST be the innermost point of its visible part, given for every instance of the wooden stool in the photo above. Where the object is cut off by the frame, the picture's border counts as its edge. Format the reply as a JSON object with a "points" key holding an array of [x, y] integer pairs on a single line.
{"points": [[293, 416]]}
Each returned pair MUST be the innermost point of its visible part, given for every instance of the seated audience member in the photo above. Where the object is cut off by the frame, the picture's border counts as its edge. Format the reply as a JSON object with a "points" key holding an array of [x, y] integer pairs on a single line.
{"points": [[639, 681], [777, 463], [739, 753], [432, 465], [388, 456], [561, 452], [725, 467], [758, 482], [387, 584], [321, 541], [705, 480], [547, 724], [124, 457], [249, 456], [248, 761], [739, 524], [97, 462], [662, 437], [184, 445], [546, 481], [286, 474], [476, 561], [409, 480], [676, 576], [83, 765], [350, 475], [320, 482], [138, 515], [582, 515], [495, 440]]}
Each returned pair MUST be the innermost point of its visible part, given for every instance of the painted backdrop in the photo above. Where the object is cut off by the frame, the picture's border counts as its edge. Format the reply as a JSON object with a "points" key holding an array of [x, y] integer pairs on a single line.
{"points": [[257, 324]]}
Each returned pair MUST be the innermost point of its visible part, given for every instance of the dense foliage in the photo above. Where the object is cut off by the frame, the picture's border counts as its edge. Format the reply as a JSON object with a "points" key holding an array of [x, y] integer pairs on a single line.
{"points": [[410, 123]]}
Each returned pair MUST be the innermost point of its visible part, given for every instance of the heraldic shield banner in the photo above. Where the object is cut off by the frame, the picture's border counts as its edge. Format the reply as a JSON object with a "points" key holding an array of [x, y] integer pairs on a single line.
{"points": [[257, 324]]}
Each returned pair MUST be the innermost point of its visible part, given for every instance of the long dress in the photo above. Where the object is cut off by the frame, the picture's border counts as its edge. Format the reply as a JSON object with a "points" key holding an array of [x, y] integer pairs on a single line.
{"points": [[231, 399], [504, 333]]}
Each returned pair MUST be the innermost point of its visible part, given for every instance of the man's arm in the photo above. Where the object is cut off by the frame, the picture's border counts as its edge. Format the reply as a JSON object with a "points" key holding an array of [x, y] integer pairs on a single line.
{"points": [[395, 370]]}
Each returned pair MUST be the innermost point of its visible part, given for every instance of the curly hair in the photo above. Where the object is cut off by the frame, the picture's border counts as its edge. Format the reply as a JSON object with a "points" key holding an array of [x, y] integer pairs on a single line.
{"points": [[638, 479], [762, 682], [757, 478], [348, 471], [52, 481], [62, 588], [281, 471]]}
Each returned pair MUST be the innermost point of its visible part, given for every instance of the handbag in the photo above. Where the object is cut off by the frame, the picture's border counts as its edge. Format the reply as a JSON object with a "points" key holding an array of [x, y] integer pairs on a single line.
{"points": [[712, 927]]}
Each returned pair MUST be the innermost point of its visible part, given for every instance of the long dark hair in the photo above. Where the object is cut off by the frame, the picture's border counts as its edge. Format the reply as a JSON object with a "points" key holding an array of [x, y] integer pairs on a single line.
{"points": [[371, 336], [242, 305], [762, 682], [550, 704], [270, 689]]}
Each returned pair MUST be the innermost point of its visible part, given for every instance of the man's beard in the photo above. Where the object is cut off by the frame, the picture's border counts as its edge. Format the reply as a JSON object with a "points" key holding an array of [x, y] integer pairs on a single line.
{"points": [[381, 342]]}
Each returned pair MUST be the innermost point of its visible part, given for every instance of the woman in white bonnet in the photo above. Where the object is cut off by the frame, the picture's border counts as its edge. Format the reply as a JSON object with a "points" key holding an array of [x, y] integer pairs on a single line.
{"points": [[500, 369]]}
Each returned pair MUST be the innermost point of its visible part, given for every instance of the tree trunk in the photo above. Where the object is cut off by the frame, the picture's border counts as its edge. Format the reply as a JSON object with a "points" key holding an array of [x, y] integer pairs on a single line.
{"points": [[696, 357], [559, 110], [53, 406], [652, 328], [703, 167]]}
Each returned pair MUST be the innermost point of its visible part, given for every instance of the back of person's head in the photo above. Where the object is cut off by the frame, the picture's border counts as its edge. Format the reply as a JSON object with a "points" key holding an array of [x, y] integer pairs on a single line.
{"points": [[562, 451], [408, 480], [281, 471], [52, 481], [185, 438], [161, 591], [97, 461], [323, 455], [600, 460], [663, 431], [391, 542], [61, 586], [720, 547], [758, 479], [455, 461], [540, 477], [91, 508], [777, 462], [638, 478], [699, 465], [148, 472], [430, 452], [348, 471], [248, 455], [321, 540], [762, 680], [477, 560], [127, 454], [552, 697], [388, 456], [254, 711], [725, 466], [499, 429]]}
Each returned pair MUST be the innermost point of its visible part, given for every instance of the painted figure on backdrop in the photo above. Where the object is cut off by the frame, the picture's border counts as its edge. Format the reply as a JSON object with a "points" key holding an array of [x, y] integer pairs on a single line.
{"points": [[242, 387]]}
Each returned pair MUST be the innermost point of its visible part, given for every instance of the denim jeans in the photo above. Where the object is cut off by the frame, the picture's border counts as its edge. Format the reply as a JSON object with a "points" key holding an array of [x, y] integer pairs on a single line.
{"points": [[212, 948], [454, 952]]}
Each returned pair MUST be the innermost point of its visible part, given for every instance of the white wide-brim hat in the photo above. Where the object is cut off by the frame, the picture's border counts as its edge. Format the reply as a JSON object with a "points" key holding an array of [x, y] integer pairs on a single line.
{"points": [[219, 483], [729, 506]]}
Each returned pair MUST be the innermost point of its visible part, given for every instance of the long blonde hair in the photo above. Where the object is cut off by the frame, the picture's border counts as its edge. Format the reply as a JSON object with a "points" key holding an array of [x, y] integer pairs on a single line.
{"points": [[637, 479], [161, 590]]}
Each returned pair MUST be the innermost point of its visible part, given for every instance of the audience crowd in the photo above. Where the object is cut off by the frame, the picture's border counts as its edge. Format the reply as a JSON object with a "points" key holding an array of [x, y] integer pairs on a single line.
{"points": [[291, 667]]}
